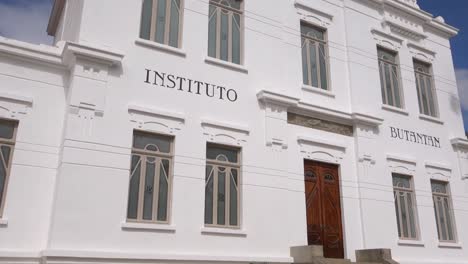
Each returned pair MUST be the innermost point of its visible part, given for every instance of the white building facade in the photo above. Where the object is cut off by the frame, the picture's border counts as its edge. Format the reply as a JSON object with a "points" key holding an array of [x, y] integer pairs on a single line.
{"points": [[229, 131]]}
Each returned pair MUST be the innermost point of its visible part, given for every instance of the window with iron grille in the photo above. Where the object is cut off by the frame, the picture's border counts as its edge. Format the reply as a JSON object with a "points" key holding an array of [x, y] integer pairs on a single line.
{"points": [[390, 78], [7, 144], [425, 88], [443, 211], [225, 30], [314, 56], [222, 186], [405, 207], [150, 178], [161, 21]]}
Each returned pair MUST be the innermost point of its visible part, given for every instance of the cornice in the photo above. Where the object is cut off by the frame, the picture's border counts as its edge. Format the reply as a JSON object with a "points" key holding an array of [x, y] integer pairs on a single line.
{"points": [[97, 54], [426, 20], [298, 106], [460, 143], [26, 51], [62, 55]]}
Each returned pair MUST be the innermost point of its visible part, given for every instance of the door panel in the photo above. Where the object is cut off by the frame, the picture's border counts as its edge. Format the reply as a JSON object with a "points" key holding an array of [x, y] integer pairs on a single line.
{"points": [[324, 226], [314, 223]]}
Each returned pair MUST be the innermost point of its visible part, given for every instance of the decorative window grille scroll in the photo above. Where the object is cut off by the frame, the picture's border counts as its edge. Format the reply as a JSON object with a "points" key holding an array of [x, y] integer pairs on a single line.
{"points": [[7, 144], [314, 56], [443, 211], [225, 30], [150, 178], [222, 186], [405, 207]]}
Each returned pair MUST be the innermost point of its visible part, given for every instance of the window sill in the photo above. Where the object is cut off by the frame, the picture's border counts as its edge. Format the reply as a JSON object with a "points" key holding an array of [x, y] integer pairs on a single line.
{"points": [[395, 109], [3, 222], [223, 231], [161, 47], [449, 245], [317, 90], [148, 227], [415, 243], [431, 119], [225, 64]]}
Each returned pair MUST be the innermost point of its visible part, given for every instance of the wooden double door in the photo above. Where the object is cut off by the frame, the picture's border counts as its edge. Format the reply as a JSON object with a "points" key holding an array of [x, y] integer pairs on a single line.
{"points": [[322, 194]]}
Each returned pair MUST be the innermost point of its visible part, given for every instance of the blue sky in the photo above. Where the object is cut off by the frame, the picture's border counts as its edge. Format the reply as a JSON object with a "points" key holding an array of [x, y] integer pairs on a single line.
{"points": [[27, 20]]}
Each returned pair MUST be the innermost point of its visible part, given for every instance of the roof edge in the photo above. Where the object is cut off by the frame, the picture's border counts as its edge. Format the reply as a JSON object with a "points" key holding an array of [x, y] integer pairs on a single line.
{"points": [[55, 16]]}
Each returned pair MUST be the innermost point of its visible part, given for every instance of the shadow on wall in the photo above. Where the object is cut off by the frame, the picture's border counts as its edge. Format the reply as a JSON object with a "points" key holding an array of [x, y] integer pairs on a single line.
{"points": [[455, 104]]}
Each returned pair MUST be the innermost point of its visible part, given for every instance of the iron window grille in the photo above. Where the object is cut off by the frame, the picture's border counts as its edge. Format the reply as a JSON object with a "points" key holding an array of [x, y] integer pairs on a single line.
{"points": [[390, 78], [443, 211], [405, 207], [222, 187], [150, 178], [425, 88], [8, 129], [161, 21], [314, 56], [226, 30]]}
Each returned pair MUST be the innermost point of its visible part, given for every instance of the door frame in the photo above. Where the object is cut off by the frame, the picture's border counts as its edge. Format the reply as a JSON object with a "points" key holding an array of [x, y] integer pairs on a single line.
{"points": [[340, 186]]}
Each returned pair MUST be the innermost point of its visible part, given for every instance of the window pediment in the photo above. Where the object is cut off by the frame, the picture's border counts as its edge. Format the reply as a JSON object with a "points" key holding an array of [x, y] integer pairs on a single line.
{"points": [[421, 53], [313, 15], [387, 40]]}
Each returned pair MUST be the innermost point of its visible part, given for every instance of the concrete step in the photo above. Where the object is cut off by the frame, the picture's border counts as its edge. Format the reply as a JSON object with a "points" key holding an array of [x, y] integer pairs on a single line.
{"points": [[322, 260]]}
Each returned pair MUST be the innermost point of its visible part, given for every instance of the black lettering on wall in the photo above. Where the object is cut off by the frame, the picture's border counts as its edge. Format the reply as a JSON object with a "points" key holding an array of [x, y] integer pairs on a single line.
{"points": [[172, 81]]}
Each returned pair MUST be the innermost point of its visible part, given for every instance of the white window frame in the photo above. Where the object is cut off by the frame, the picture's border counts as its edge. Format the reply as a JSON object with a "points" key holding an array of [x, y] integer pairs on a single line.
{"points": [[230, 11], [383, 83], [167, 29], [397, 192], [158, 156], [229, 166], [423, 77], [448, 199], [10, 143], [309, 40]]}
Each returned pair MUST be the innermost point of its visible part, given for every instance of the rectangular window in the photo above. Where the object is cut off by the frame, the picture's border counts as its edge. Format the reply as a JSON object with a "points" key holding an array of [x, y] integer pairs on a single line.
{"points": [[405, 207], [443, 211], [425, 88], [225, 30], [222, 183], [161, 21], [390, 78], [150, 178], [7, 144], [314, 56]]}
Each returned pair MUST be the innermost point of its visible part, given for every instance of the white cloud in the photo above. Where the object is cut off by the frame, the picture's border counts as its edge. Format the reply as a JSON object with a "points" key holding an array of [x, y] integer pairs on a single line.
{"points": [[26, 21], [462, 81]]}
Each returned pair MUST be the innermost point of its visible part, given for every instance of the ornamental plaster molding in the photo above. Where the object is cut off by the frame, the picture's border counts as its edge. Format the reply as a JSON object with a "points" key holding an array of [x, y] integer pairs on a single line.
{"points": [[404, 28], [421, 53], [460, 145], [401, 164], [225, 133], [438, 171], [412, 3], [312, 15], [14, 106], [321, 150], [387, 40], [152, 119]]}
